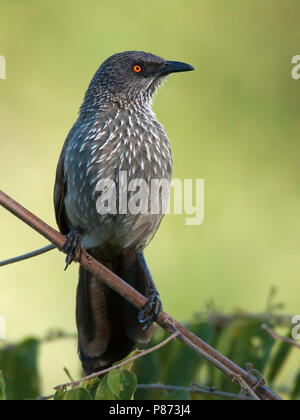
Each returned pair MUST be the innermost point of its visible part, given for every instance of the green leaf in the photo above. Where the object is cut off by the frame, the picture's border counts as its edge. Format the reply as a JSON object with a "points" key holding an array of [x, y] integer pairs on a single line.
{"points": [[2, 388], [122, 383], [92, 386], [295, 395], [129, 365], [278, 360], [78, 394], [19, 366], [104, 392], [60, 395]]}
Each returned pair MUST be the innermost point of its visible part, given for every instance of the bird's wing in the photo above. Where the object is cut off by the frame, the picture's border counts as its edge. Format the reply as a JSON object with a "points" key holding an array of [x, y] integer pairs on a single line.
{"points": [[60, 191]]}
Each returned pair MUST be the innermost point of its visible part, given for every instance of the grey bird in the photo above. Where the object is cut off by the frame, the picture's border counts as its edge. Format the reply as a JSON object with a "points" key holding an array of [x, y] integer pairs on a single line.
{"points": [[116, 132]]}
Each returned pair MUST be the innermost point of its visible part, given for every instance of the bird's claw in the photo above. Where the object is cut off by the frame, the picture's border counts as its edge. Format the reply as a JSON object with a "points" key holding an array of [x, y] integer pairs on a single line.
{"points": [[71, 246], [151, 310]]}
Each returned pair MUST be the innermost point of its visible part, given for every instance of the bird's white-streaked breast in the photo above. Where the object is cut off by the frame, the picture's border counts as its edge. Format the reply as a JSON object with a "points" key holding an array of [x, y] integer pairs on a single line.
{"points": [[130, 140]]}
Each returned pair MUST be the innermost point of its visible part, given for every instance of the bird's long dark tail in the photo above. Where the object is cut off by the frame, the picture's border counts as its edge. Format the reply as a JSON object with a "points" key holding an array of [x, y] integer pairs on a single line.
{"points": [[108, 326]]}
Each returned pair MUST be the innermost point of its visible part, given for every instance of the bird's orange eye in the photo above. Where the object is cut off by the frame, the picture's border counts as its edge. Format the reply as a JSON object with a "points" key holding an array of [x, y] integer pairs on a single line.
{"points": [[137, 68]]}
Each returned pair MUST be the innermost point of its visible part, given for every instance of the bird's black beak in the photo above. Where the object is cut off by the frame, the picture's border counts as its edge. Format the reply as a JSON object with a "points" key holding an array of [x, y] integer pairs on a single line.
{"points": [[173, 67]]}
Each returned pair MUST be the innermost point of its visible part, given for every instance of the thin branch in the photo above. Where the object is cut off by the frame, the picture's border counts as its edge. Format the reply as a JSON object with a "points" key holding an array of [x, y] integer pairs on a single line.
{"points": [[141, 353], [211, 392], [136, 298], [276, 336], [235, 377], [245, 386], [260, 378], [210, 358], [27, 256], [48, 397]]}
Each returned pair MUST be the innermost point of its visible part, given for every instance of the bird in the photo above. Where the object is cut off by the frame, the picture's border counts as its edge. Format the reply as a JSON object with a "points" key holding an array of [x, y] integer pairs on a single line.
{"points": [[116, 132]]}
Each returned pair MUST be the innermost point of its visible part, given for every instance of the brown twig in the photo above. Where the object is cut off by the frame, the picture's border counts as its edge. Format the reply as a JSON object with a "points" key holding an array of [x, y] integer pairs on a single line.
{"points": [[211, 392], [276, 336], [235, 377], [245, 386], [46, 398], [141, 353], [27, 256], [260, 378], [210, 358], [136, 298]]}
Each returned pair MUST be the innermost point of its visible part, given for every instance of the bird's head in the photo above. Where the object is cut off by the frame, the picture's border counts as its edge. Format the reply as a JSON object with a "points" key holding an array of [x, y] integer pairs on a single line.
{"points": [[131, 76]]}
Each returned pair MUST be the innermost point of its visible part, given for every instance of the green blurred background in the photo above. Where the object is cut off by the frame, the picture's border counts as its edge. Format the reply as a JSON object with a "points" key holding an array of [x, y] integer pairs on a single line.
{"points": [[234, 122]]}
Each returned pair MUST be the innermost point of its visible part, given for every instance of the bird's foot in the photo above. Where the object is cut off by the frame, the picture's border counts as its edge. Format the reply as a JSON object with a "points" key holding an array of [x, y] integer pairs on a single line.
{"points": [[71, 246], [151, 310]]}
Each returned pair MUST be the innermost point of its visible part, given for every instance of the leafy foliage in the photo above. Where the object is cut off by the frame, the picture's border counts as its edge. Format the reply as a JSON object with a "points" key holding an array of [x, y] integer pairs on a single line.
{"points": [[116, 385], [2, 388], [19, 366], [239, 337]]}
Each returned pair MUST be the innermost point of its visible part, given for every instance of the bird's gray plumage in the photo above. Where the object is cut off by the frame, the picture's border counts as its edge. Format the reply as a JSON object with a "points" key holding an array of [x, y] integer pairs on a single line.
{"points": [[116, 131]]}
